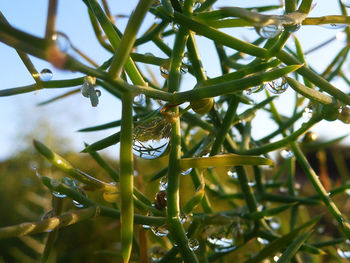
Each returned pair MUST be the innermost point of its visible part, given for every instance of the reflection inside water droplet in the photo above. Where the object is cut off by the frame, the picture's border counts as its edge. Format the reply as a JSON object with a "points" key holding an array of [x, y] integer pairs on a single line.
{"points": [[152, 138], [277, 86], [46, 74], [62, 41], [292, 28], [140, 99], [164, 72], [163, 183], [269, 31], [193, 244], [160, 231]]}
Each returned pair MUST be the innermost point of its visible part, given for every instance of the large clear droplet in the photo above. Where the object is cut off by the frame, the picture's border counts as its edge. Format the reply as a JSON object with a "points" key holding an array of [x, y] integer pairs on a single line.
{"points": [[160, 231], [62, 41], [163, 183], [152, 138], [269, 31], [286, 154], [140, 99], [193, 244], [46, 74], [277, 86]]}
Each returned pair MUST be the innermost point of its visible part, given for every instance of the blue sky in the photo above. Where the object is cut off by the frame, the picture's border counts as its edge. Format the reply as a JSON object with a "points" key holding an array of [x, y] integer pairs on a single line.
{"points": [[19, 114]]}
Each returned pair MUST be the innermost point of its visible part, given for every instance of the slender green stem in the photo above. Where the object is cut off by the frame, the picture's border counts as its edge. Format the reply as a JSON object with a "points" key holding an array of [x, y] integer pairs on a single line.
{"points": [[51, 19], [127, 42], [126, 176]]}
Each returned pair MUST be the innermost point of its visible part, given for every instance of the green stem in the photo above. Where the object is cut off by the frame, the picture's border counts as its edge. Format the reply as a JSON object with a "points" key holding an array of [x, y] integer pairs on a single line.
{"points": [[126, 176], [127, 42]]}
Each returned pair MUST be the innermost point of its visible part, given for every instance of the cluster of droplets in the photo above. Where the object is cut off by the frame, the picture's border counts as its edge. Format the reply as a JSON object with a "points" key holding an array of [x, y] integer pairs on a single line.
{"points": [[232, 173]]}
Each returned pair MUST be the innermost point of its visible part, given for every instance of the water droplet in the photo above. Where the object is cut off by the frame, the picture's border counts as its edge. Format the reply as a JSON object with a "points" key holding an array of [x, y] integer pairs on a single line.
{"points": [[62, 41], [182, 217], [292, 28], [58, 194], [232, 173], [160, 231], [283, 190], [255, 89], [321, 230], [164, 72], [140, 99], [193, 244], [343, 249], [262, 241], [157, 253], [146, 226], [220, 242], [251, 184], [46, 74], [152, 137], [347, 191], [274, 223], [163, 183], [334, 26], [277, 86], [37, 172], [156, 3], [77, 204], [98, 92], [286, 154], [186, 172], [277, 257], [307, 114], [269, 31], [175, 27], [69, 182]]}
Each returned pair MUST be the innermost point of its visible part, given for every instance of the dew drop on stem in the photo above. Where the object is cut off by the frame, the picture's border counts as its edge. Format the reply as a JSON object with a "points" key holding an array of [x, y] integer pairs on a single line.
{"points": [[343, 250], [193, 244], [186, 172], [140, 99], [286, 154], [160, 231], [269, 31], [262, 241], [277, 86], [62, 41], [164, 72], [46, 74], [163, 184]]}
